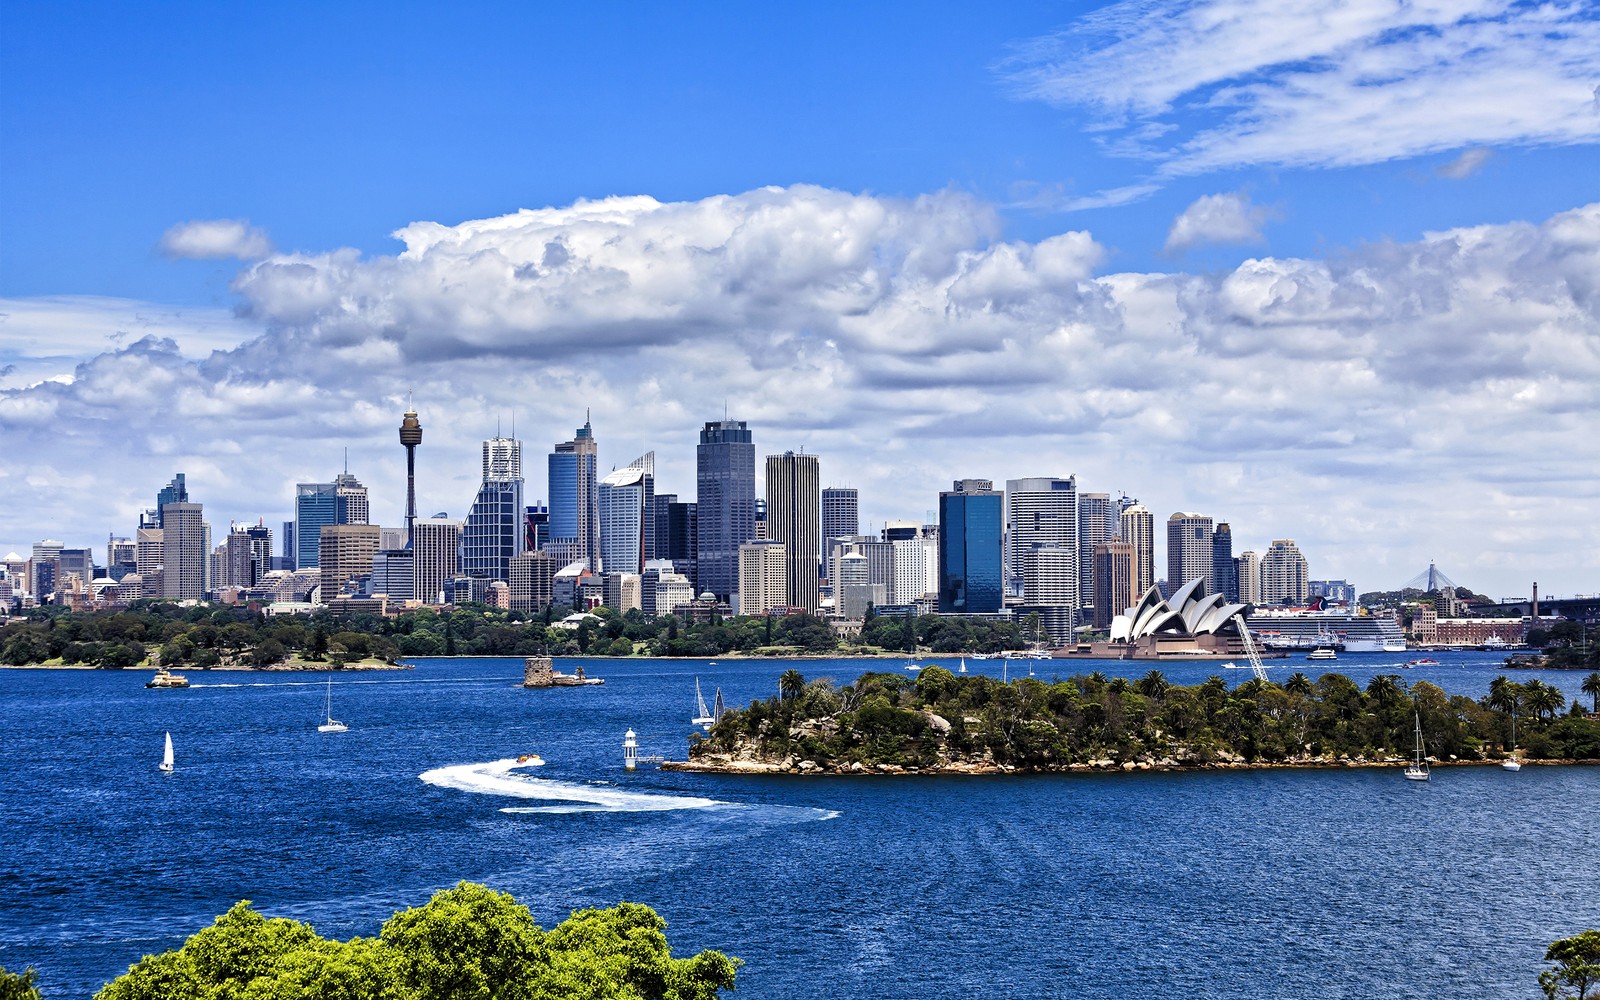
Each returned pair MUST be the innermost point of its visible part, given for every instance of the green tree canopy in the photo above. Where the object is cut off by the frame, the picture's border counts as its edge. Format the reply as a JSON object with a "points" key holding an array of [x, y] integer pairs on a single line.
{"points": [[466, 943], [1577, 972]]}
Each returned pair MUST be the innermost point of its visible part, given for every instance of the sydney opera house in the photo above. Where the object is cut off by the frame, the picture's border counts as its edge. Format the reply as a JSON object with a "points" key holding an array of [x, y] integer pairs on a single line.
{"points": [[1190, 623]]}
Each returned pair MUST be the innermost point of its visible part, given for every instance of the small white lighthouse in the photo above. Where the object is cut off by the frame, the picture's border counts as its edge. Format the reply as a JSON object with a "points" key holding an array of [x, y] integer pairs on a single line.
{"points": [[630, 751]]}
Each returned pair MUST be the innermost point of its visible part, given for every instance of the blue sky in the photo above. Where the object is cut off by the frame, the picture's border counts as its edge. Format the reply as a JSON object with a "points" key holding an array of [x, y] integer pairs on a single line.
{"points": [[1187, 143]]}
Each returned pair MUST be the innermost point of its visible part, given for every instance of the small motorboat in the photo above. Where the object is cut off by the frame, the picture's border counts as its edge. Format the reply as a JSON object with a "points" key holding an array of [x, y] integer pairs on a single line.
{"points": [[1424, 662], [530, 760]]}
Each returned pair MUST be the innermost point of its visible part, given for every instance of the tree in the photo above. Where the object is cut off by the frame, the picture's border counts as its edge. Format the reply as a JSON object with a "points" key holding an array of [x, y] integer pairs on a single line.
{"points": [[1153, 685], [465, 942], [1577, 968], [1544, 699], [791, 683], [1591, 687], [19, 986]]}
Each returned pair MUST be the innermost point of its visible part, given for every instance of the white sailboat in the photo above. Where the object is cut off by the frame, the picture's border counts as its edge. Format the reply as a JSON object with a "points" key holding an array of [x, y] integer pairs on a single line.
{"points": [[166, 757], [332, 725], [1418, 769], [717, 708], [702, 716], [1513, 763], [963, 666]]}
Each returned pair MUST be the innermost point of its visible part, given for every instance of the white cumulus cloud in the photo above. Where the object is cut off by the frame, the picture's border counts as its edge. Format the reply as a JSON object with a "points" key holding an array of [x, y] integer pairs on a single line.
{"points": [[1217, 218], [216, 239]]}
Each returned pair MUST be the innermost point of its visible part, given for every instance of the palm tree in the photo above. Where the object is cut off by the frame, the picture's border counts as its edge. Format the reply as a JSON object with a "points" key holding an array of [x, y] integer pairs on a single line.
{"points": [[1504, 696], [1154, 685], [791, 683], [1591, 687], [1299, 684], [1543, 698], [1384, 689]]}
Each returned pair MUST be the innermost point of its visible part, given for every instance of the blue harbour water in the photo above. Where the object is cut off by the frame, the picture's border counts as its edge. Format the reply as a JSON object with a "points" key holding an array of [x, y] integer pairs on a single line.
{"points": [[1251, 884]]}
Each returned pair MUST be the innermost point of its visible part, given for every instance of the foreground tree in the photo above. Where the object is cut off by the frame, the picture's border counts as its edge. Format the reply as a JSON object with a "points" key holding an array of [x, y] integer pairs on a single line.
{"points": [[466, 943], [1577, 972], [19, 986]]}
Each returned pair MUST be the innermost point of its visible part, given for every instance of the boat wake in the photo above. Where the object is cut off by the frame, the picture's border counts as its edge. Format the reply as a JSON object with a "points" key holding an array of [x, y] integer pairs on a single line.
{"points": [[505, 778]]}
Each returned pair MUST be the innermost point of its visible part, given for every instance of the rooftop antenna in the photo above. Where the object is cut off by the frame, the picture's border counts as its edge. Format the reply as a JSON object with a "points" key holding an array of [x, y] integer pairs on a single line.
{"points": [[513, 423], [347, 460]]}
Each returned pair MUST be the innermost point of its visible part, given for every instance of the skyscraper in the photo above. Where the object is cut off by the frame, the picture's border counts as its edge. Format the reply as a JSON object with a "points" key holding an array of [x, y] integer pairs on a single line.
{"points": [[176, 491], [763, 577], [1097, 524], [1285, 575], [1042, 512], [841, 515], [1189, 550], [410, 437], [575, 496], [435, 545], [1114, 579], [1248, 568], [347, 554], [1138, 528], [1223, 575], [185, 551], [677, 535], [725, 474], [315, 505], [352, 498], [626, 504], [971, 525], [494, 527], [794, 518]]}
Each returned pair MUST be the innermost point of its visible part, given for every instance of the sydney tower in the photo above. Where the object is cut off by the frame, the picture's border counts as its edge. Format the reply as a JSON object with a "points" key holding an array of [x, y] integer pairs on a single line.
{"points": [[411, 436]]}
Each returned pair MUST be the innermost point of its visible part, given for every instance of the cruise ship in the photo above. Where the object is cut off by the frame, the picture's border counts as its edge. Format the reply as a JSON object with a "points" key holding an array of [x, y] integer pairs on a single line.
{"points": [[1310, 627]]}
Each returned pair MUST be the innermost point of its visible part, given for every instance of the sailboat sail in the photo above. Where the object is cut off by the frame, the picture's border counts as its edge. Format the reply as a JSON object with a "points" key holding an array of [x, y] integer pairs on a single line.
{"points": [[166, 756], [1418, 771], [332, 725], [717, 709], [702, 716]]}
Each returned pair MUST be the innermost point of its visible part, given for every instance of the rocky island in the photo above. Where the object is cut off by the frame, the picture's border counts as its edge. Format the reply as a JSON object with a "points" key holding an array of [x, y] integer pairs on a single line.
{"points": [[939, 723]]}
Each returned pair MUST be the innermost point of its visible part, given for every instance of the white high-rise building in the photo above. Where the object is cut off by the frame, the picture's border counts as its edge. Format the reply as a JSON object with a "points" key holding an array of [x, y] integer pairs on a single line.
{"points": [[1285, 575], [1138, 528], [1043, 512], [436, 543], [626, 503], [916, 568], [185, 552], [352, 498], [763, 577], [1249, 567]]}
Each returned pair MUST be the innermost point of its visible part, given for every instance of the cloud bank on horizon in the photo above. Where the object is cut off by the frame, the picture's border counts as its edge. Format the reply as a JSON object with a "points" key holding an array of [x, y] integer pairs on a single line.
{"points": [[1390, 404]]}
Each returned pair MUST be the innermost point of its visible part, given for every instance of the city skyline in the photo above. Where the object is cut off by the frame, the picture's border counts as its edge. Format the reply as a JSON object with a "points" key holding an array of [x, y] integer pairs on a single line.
{"points": [[501, 457], [1204, 254]]}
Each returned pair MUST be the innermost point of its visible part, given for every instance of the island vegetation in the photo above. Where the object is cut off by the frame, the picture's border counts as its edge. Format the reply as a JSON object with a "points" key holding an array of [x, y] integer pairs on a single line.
{"points": [[466, 943], [1576, 975], [207, 636], [941, 722]]}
